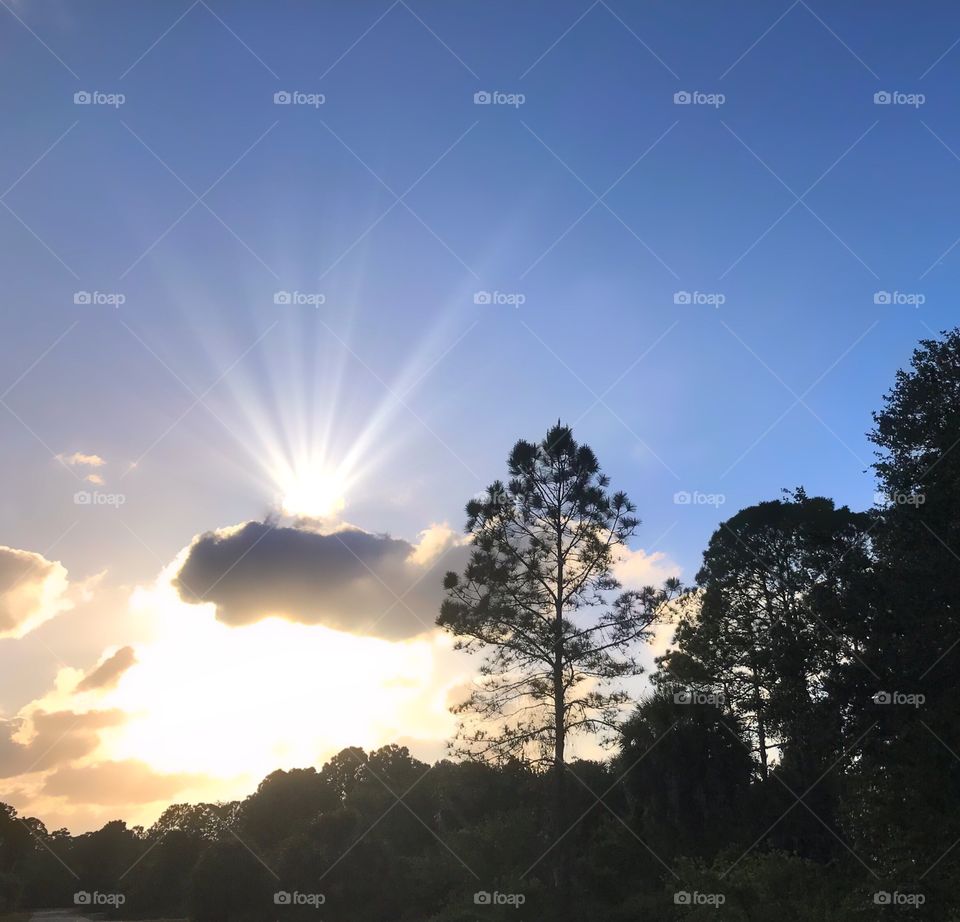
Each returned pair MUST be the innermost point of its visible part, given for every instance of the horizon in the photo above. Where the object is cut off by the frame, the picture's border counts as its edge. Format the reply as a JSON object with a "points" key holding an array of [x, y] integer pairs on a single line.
{"points": [[286, 285]]}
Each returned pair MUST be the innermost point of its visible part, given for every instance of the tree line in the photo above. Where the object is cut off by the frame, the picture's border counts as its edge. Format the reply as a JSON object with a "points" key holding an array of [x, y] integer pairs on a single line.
{"points": [[797, 756]]}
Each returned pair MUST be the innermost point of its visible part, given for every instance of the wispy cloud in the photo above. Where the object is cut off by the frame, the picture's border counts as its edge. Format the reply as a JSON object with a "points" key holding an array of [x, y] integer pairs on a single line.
{"points": [[79, 459]]}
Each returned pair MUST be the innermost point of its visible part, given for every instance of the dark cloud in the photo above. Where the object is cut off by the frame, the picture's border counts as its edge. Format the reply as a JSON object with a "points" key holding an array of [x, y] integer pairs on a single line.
{"points": [[114, 783], [108, 673], [350, 581], [58, 737], [31, 590]]}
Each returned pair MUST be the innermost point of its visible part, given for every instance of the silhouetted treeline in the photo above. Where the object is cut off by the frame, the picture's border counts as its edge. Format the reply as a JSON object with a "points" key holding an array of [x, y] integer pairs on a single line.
{"points": [[798, 759]]}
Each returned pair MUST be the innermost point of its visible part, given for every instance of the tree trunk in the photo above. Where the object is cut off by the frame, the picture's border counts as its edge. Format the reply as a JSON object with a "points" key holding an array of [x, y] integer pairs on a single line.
{"points": [[561, 864], [561, 875], [761, 730]]}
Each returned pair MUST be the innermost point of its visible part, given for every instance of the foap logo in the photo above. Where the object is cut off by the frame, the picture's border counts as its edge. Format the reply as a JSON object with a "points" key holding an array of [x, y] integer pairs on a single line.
{"points": [[696, 98], [896, 98], [496, 98], [899, 698], [910, 298], [96, 98], [511, 298], [896, 898], [711, 298], [698, 498], [96, 898], [696, 898], [899, 499], [692, 696], [312, 298], [485, 898], [111, 298], [296, 898], [298, 98], [498, 498], [98, 498]]}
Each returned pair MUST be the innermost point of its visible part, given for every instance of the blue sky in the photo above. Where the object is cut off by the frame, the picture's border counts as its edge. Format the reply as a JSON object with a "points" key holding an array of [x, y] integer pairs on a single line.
{"points": [[599, 84], [597, 199]]}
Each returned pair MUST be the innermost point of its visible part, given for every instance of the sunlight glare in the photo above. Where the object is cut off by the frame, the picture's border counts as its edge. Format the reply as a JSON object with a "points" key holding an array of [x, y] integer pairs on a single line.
{"points": [[312, 493]]}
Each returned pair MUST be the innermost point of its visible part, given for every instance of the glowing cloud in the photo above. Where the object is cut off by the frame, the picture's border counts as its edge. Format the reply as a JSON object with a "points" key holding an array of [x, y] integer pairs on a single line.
{"points": [[115, 783], [44, 740], [32, 591], [108, 672], [79, 459]]}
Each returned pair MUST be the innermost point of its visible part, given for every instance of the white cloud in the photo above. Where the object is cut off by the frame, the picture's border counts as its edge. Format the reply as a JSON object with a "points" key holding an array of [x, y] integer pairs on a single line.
{"points": [[32, 590], [637, 569], [434, 542], [79, 459]]}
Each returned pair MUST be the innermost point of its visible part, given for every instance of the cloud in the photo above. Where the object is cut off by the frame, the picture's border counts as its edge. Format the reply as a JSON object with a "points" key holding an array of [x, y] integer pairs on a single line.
{"points": [[79, 459], [636, 569], [108, 672], [111, 783], [47, 739], [428, 751], [32, 591], [435, 541], [130, 730], [349, 580]]}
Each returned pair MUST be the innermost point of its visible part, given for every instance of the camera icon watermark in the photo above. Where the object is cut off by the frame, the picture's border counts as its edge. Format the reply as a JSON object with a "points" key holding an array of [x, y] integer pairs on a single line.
{"points": [[98, 498], [896, 98], [486, 898], [899, 499], [910, 298], [510, 298], [899, 698], [696, 898], [296, 898], [96, 98], [496, 98], [499, 498], [699, 498], [298, 98], [311, 298], [111, 298], [96, 898], [710, 298], [697, 98], [692, 696], [896, 898]]}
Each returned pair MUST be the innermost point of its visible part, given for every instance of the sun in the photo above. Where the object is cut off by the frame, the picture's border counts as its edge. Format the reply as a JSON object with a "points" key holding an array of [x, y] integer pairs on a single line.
{"points": [[313, 493]]}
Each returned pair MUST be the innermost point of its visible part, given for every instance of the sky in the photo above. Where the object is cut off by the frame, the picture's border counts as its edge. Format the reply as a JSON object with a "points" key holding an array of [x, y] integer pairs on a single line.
{"points": [[322, 265]]}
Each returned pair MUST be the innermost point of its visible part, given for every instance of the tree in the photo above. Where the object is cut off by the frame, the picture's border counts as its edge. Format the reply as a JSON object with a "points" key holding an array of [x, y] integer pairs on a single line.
{"points": [[775, 629], [103, 857], [539, 597], [284, 803], [917, 435], [16, 845], [231, 884], [694, 756], [769, 625], [909, 771], [202, 822]]}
